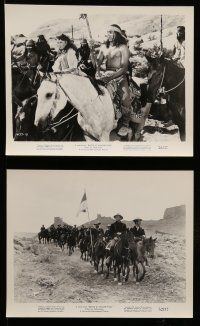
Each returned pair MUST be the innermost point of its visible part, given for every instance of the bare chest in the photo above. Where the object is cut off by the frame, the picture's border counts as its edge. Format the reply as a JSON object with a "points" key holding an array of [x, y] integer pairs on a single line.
{"points": [[113, 53]]}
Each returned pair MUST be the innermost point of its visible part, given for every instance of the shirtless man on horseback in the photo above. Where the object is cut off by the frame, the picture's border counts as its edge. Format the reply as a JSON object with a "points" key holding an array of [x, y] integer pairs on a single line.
{"points": [[116, 54]]}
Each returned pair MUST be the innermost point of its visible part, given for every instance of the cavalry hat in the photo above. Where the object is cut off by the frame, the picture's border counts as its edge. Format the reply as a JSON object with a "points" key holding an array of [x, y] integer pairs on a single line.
{"points": [[181, 28], [62, 37], [97, 223], [84, 41], [109, 225], [137, 220], [118, 216], [30, 43]]}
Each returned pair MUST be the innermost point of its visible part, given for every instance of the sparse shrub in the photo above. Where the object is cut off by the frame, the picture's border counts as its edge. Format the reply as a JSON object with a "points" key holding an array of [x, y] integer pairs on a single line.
{"points": [[45, 282], [45, 258], [157, 268], [159, 254], [34, 249], [152, 37]]}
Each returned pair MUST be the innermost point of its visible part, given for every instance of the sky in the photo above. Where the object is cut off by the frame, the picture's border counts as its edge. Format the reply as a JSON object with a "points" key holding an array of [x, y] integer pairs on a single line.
{"points": [[35, 197]]}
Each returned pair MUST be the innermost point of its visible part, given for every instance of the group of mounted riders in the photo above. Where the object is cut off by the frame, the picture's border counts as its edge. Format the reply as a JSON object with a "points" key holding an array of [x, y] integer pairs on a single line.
{"points": [[112, 67], [118, 245]]}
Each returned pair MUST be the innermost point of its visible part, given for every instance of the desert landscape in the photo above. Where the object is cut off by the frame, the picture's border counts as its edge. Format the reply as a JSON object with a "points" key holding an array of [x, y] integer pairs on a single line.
{"points": [[43, 273]]}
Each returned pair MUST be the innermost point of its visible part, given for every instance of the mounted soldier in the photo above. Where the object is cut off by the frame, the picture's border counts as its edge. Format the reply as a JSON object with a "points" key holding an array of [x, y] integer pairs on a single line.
{"points": [[137, 231], [42, 228], [96, 232], [116, 230]]}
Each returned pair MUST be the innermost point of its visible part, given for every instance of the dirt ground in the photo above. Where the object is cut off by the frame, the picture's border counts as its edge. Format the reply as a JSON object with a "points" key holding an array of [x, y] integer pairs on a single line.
{"points": [[43, 273]]}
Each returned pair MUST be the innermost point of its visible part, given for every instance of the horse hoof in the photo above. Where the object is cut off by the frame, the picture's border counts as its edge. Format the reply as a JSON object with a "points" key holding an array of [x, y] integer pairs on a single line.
{"points": [[95, 272], [119, 283], [115, 279], [102, 275]]}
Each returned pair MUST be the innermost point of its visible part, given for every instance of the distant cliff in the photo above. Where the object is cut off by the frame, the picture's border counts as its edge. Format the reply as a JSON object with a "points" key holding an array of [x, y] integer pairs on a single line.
{"points": [[176, 211], [173, 222]]}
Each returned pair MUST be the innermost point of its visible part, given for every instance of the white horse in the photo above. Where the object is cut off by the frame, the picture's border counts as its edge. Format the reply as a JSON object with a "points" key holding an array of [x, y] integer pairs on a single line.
{"points": [[95, 112]]}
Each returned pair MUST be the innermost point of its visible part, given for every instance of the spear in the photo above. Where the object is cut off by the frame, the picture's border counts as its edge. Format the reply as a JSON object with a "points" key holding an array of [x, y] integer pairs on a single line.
{"points": [[161, 28], [93, 53]]}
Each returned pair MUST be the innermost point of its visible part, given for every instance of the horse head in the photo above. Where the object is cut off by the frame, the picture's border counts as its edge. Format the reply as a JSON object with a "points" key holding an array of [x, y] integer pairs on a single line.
{"points": [[51, 100], [150, 246]]}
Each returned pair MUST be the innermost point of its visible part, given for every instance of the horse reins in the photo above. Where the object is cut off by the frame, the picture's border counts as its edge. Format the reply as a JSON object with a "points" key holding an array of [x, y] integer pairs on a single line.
{"points": [[173, 88]]}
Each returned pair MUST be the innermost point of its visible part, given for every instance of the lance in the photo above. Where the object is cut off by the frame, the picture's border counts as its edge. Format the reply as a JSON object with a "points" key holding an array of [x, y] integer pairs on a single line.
{"points": [[93, 53], [161, 28]]}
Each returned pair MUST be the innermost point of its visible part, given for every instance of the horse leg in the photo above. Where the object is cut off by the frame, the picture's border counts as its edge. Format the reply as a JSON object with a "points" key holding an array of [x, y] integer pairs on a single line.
{"points": [[119, 269], [102, 264], [134, 273], [128, 272], [123, 268], [115, 271]]}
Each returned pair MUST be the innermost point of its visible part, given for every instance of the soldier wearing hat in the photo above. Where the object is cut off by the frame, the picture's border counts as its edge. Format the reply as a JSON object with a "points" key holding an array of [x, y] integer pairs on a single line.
{"points": [[42, 228], [116, 230], [137, 230], [96, 231], [117, 226], [66, 57]]}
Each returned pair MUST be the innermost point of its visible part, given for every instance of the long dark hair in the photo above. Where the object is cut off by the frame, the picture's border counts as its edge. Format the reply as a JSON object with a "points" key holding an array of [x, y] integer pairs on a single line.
{"points": [[69, 45], [118, 38]]}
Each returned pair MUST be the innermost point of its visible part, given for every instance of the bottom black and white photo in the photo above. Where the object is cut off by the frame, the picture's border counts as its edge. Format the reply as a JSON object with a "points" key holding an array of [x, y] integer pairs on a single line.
{"points": [[100, 243]]}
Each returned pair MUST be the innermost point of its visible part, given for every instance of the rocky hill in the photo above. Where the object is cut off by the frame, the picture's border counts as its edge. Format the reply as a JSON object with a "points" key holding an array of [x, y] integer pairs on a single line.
{"points": [[173, 222], [135, 25]]}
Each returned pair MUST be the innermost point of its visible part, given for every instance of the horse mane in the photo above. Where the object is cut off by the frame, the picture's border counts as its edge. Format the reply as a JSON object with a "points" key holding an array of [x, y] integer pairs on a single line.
{"points": [[96, 83]]}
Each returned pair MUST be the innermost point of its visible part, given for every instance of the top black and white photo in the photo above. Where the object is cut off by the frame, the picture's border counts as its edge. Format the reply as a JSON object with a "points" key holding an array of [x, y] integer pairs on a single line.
{"points": [[110, 81]]}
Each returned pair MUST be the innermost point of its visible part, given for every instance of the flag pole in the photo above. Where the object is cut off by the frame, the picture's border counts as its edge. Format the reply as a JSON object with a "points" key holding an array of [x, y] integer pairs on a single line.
{"points": [[90, 225]]}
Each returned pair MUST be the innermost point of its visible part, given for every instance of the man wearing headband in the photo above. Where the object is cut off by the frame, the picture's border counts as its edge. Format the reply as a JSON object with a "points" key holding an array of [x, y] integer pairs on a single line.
{"points": [[116, 54]]}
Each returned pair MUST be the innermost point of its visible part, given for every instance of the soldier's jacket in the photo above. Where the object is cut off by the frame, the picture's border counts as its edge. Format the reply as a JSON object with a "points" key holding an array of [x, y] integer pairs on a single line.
{"points": [[117, 227], [137, 232]]}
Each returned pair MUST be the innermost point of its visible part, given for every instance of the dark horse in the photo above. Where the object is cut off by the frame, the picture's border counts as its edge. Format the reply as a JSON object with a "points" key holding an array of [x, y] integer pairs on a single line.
{"points": [[22, 89], [119, 255], [99, 254], [172, 78], [44, 236], [71, 243], [84, 246]]}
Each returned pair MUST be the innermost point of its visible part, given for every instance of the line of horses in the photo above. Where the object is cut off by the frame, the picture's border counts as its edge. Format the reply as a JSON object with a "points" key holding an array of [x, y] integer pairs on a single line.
{"points": [[67, 237], [128, 253]]}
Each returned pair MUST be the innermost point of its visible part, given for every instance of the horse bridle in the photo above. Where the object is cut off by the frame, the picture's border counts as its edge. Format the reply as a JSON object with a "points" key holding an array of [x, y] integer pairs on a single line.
{"points": [[171, 89], [65, 118]]}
